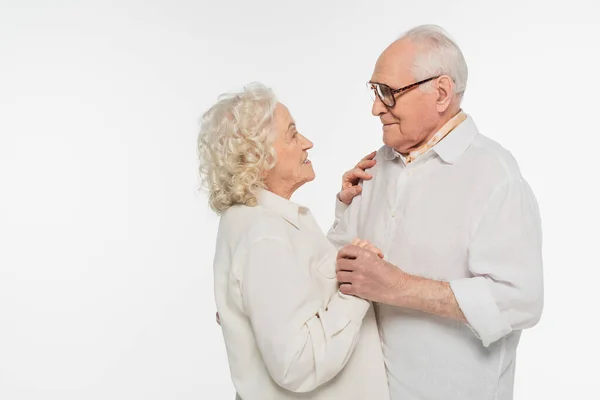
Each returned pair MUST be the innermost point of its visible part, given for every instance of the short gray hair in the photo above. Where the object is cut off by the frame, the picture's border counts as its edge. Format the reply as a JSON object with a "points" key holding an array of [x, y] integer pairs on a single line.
{"points": [[235, 146], [438, 54]]}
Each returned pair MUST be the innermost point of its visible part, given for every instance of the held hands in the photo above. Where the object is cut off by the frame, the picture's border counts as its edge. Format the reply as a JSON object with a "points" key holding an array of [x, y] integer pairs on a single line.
{"points": [[362, 272], [365, 244], [350, 179]]}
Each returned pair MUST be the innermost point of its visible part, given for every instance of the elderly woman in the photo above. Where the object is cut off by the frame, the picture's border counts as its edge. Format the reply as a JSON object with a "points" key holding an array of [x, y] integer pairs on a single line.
{"points": [[289, 332]]}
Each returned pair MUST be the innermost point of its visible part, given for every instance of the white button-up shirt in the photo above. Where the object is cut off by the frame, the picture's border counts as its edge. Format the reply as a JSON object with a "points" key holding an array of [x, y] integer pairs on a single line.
{"points": [[461, 213], [289, 332]]}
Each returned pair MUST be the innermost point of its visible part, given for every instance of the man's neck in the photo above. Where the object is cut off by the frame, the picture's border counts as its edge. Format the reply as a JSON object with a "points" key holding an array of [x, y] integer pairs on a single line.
{"points": [[443, 121]]}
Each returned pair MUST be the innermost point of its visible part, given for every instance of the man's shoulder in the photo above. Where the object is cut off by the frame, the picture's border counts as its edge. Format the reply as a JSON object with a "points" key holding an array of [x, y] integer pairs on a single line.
{"points": [[384, 157], [490, 156], [384, 153]]}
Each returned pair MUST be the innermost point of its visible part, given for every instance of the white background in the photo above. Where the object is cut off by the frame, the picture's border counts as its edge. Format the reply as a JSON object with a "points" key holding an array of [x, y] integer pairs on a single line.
{"points": [[106, 246]]}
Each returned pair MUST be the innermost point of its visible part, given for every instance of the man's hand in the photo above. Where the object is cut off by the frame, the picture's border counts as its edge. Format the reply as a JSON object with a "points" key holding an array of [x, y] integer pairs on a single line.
{"points": [[365, 244], [350, 179], [364, 274]]}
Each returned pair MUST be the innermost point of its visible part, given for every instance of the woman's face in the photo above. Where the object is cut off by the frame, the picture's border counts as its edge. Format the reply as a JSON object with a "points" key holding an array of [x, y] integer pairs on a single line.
{"points": [[292, 168]]}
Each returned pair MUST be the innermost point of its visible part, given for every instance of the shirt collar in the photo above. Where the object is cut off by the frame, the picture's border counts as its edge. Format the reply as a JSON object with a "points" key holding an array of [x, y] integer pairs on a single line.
{"points": [[457, 142], [452, 146], [277, 204]]}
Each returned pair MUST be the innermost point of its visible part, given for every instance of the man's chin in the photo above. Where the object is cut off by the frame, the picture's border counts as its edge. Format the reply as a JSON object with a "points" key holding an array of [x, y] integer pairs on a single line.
{"points": [[399, 147], [391, 138]]}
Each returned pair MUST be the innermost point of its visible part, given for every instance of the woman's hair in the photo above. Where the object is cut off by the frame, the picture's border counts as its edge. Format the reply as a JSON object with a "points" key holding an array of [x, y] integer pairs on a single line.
{"points": [[437, 54], [235, 146]]}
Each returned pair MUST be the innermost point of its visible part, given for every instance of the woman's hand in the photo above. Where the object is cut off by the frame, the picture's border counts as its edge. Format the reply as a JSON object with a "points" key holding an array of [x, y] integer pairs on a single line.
{"points": [[365, 244], [350, 179]]}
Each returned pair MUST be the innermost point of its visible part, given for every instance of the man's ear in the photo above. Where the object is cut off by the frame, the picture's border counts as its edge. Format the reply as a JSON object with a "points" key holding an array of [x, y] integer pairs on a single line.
{"points": [[445, 92]]}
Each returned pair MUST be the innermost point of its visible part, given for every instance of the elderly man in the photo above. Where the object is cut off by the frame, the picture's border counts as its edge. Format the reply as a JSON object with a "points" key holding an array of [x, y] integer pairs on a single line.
{"points": [[458, 225]]}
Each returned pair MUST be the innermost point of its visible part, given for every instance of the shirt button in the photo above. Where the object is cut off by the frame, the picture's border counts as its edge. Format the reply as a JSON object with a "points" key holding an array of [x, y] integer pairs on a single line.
{"points": [[393, 214]]}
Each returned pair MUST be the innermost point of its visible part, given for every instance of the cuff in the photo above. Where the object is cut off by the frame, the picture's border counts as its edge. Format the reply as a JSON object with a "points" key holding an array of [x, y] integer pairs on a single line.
{"points": [[340, 208], [348, 309], [479, 307]]}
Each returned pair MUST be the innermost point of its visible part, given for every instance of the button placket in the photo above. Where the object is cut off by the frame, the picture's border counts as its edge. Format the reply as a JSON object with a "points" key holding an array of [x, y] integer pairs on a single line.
{"points": [[401, 188]]}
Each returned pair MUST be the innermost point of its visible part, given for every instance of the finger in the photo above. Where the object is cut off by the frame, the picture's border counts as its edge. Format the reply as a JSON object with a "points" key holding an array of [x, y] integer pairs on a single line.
{"points": [[356, 241], [344, 277], [365, 244], [347, 195], [362, 241], [370, 246], [218, 319], [349, 251], [376, 250], [379, 252], [370, 156], [347, 175], [346, 265], [366, 164], [346, 289], [351, 192], [353, 177], [358, 173]]}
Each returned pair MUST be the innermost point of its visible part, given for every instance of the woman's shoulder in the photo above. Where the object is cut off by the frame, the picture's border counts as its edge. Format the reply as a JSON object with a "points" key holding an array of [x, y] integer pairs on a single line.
{"points": [[253, 221]]}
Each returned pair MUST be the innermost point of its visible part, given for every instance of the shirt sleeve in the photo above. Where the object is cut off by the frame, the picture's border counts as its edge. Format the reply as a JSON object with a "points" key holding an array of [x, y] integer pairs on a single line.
{"points": [[505, 291], [304, 341], [345, 224]]}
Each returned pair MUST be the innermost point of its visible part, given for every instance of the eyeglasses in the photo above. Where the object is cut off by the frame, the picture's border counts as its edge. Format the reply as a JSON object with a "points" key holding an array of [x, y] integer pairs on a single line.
{"points": [[387, 95]]}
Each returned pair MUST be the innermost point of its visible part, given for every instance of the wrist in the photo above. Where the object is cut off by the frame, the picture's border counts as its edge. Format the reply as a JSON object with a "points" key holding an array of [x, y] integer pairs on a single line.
{"points": [[397, 293], [338, 197]]}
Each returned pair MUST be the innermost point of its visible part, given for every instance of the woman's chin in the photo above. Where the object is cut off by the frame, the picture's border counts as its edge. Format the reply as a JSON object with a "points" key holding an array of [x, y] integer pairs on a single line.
{"points": [[312, 173], [310, 176]]}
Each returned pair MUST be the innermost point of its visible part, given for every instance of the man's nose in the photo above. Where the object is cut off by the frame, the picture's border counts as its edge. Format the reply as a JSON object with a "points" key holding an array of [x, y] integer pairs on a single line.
{"points": [[378, 108]]}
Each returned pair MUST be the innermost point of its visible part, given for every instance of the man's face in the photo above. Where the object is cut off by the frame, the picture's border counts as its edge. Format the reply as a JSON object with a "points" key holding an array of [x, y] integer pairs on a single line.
{"points": [[415, 116]]}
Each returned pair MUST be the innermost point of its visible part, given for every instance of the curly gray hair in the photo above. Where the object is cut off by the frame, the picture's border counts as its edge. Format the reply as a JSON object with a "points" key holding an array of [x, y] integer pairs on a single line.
{"points": [[235, 146]]}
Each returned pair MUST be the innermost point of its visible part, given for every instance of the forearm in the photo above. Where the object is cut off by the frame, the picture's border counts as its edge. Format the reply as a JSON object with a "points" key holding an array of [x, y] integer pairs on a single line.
{"points": [[427, 295], [309, 354], [344, 227]]}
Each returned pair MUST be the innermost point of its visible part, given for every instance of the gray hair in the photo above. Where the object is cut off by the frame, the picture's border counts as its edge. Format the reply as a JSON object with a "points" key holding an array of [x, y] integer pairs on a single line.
{"points": [[437, 54], [235, 146]]}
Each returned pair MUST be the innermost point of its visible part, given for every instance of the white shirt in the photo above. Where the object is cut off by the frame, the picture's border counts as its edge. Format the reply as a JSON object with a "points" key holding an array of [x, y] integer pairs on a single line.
{"points": [[289, 332], [461, 213]]}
